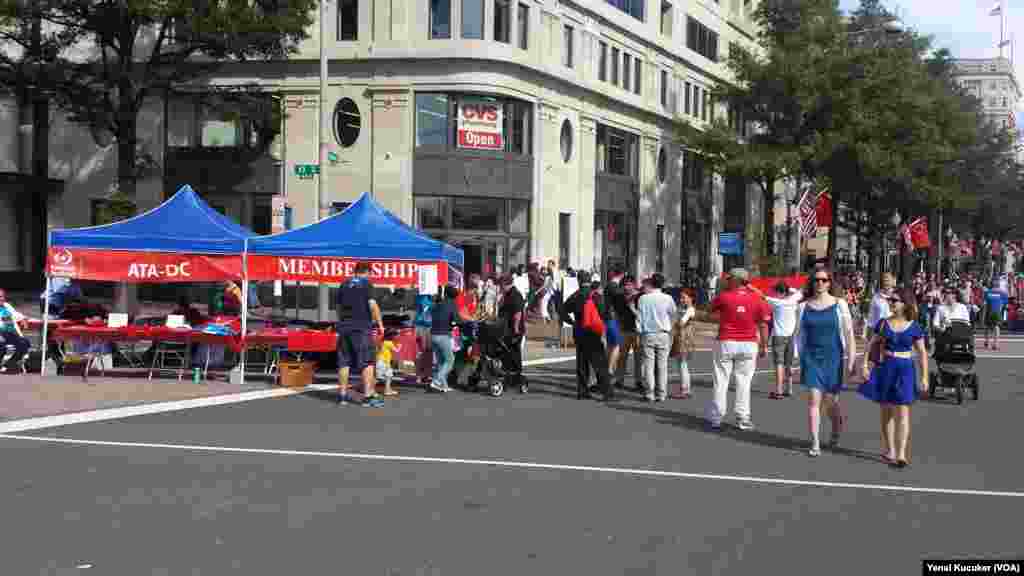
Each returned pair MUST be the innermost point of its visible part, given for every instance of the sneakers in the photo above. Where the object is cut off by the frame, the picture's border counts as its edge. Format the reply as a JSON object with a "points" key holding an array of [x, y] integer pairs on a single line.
{"points": [[344, 399], [744, 424], [373, 402], [715, 426], [437, 387]]}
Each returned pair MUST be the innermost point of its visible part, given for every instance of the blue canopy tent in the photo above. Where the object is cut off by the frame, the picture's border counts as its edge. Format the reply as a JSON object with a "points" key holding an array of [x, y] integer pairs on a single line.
{"points": [[184, 224], [181, 240], [328, 250]]}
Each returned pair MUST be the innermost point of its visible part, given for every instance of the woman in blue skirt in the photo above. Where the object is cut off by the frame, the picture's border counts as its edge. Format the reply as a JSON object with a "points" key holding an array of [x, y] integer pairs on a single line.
{"points": [[825, 342], [894, 383]]}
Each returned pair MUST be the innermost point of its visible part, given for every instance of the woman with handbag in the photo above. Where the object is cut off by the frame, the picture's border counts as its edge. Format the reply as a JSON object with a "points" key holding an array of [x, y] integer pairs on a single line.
{"points": [[683, 341], [826, 346], [890, 377]]}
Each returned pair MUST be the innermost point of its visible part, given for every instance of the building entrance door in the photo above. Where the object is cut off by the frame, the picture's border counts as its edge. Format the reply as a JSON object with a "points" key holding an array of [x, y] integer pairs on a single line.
{"points": [[481, 255]]}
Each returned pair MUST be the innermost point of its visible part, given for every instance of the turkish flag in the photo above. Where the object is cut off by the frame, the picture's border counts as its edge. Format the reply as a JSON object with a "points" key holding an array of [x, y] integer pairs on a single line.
{"points": [[823, 210], [919, 234]]}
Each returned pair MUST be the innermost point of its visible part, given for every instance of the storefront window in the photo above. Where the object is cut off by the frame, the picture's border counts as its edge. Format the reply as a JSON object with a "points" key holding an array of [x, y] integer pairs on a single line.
{"points": [[519, 122], [431, 212], [432, 120], [518, 251], [518, 216], [478, 214]]}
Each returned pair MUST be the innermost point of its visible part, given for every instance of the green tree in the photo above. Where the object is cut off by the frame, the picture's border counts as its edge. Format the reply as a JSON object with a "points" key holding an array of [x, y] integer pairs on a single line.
{"points": [[104, 59], [844, 102]]}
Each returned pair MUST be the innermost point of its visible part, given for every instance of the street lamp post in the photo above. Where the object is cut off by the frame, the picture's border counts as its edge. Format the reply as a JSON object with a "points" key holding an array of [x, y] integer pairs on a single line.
{"points": [[324, 132]]}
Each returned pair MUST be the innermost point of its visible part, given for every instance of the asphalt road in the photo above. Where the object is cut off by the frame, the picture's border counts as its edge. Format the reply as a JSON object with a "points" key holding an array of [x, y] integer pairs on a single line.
{"points": [[534, 484]]}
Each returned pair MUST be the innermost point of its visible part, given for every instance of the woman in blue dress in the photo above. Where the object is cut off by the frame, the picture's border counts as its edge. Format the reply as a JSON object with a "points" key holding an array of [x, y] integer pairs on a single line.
{"points": [[894, 383], [826, 345]]}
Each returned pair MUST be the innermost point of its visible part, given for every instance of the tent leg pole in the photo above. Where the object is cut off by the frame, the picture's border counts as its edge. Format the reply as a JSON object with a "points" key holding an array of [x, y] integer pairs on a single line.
{"points": [[46, 322], [245, 317]]}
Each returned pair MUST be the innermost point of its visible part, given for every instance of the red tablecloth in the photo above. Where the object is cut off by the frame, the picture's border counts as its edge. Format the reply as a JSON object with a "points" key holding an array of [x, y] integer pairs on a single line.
{"points": [[139, 333]]}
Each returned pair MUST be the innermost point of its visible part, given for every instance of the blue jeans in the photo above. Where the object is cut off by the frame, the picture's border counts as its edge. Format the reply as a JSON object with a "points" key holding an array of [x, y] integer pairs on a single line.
{"points": [[444, 358]]}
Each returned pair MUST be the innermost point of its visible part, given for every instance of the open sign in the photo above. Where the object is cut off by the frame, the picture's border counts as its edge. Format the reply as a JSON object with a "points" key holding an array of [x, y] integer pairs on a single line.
{"points": [[481, 124]]}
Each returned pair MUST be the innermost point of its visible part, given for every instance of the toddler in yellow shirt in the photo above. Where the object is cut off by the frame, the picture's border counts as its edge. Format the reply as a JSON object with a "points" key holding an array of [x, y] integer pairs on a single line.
{"points": [[385, 356]]}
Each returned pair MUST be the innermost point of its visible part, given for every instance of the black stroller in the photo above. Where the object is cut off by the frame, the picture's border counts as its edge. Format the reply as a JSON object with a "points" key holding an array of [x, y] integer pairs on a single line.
{"points": [[495, 366], [955, 359]]}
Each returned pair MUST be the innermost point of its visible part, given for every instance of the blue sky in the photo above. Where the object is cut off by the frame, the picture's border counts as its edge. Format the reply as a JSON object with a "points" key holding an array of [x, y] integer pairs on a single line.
{"points": [[964, 27]]}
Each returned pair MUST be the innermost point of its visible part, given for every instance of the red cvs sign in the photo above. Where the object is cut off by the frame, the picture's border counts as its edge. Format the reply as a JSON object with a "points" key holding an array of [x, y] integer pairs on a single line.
{"points": [[480, 125]]}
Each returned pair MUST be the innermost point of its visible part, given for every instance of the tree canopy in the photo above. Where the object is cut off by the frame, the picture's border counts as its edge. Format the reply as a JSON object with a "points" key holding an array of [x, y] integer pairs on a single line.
{"points": [[101, 60], [849, 102]]}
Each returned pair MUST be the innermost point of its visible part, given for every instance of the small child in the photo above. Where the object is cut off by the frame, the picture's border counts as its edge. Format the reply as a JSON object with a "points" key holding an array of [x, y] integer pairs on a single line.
{"points": [[385, 355]]}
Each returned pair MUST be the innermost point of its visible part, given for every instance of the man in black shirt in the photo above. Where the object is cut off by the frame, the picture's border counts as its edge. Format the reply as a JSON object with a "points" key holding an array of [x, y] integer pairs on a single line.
{"points": [[357, 313], [590, 351], [512, 313]]}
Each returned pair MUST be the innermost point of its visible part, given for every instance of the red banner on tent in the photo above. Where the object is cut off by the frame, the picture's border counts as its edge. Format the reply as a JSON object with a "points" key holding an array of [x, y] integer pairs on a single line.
{"points": [[336, 270], [142, 267]]}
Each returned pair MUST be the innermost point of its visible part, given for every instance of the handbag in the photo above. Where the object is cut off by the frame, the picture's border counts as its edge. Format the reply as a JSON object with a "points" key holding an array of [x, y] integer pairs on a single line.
{"points": [[875, 353], [592, 321]]}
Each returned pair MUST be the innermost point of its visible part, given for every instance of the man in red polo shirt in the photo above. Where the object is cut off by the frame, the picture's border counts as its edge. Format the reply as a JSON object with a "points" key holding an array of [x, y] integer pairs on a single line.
{"points": [[743, 318]]}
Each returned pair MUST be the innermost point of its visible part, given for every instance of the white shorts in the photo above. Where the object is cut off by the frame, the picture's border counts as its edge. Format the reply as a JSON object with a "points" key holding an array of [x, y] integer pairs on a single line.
{"points": [[384, 370]]}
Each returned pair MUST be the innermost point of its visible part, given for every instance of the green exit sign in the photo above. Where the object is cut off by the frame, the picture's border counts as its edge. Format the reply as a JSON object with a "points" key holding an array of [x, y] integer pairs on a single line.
{"points": [[307, 171]]}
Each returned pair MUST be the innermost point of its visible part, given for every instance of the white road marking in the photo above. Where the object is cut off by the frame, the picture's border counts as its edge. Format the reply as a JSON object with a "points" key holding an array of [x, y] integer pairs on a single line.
{"points": [[143, 409], [643, 472]]}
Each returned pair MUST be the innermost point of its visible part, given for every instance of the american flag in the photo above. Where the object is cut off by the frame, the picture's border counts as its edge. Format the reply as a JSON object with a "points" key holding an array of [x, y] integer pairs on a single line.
{"points": [[809, 213]]}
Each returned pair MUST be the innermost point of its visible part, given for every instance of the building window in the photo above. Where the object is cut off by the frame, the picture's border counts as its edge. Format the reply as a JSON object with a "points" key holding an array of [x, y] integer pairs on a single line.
{"points": [[701, 39], [602, 62], [693, 171], [634, 8], [686, 99], [348, 20], [662, 166], [664, 88], [518, 216], [696, 101], [567, 46], [431, 212], [219, 133], [564, 239], [518, 127], [473, 19], [565, 141], [637, 75], [480, 214], [626, 70], [615, 66], [502, 20], [347, 122], [524, 26], [666, 19], [432, 126], [440, 19], [705, 100], [616, 151], [659, 264]]}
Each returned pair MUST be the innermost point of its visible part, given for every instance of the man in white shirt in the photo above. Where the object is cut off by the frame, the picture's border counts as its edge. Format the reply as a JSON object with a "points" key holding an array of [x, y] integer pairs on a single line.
{"points": [[784, 304], [880, 304], [657, 312]]}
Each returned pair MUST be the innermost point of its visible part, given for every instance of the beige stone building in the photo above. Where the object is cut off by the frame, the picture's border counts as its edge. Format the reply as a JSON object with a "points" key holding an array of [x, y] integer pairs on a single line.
{"points": [[519, 130]]}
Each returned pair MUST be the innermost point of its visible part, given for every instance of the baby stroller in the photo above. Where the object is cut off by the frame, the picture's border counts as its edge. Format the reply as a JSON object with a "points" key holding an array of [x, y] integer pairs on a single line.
{"points": [[955, 359], [495, 368]]}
